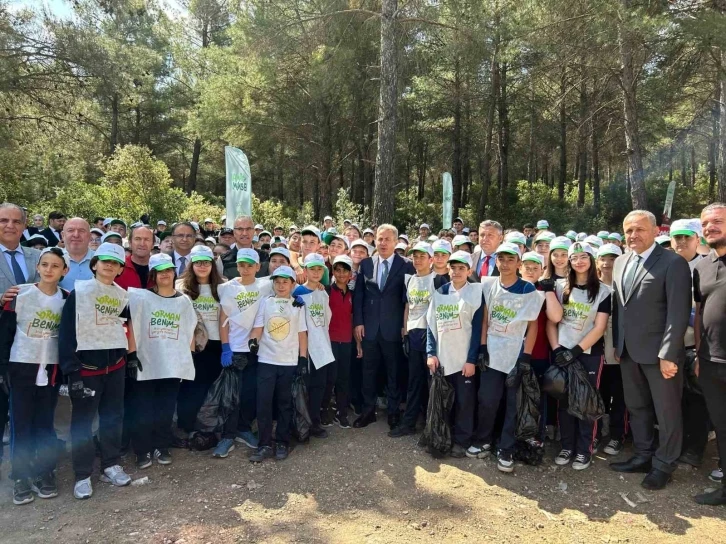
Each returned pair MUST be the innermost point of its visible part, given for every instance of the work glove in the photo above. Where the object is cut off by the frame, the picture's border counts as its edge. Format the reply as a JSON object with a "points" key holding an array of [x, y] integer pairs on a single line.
{"points": [[75, 386], [133, 366], [302, 366], [564, 356], [547, 285], [226, 355], [254, 345], [298, 302], [406, 346], [482, 360]]}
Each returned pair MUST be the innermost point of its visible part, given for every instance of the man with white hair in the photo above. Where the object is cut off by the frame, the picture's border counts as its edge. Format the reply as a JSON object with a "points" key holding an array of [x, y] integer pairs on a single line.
{"points": [[77, 237]]}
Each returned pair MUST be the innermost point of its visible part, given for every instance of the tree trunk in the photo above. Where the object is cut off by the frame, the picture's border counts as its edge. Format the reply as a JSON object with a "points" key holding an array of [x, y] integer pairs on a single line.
{"points": [[504, 133], [466, 152], [531, 161], [722, 132], [582, 146], [370, 170], [595, 159], [628, 84], [422, 157], [327, 173], [456, 158], [684, 166], [280, 165], [485, 166], [694, 166], [670, 163], [385, 186], [194, 167], [114, 122], [563, 136]]}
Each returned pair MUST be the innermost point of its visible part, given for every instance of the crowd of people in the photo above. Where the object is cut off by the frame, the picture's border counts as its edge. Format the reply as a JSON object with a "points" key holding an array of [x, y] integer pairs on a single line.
{"points": [[136, 323]]}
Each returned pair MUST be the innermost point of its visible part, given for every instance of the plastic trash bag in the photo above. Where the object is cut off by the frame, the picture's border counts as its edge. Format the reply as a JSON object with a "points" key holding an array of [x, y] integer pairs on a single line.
{"points": [[690, 383], [529, 452], [554, 382], [527, 403], [221, 401], [584, 400], [437, 433], [202, 441], [301, 418]]}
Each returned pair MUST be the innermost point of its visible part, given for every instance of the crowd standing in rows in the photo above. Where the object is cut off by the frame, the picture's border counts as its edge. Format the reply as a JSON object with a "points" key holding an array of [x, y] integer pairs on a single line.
{"points": [[139, 322]]}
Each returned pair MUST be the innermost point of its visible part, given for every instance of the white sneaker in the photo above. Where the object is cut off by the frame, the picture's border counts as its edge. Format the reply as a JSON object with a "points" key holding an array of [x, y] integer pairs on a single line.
{"points": [[563, 458], [479, 452], [115, 475], [581, 462], [83, 489]]}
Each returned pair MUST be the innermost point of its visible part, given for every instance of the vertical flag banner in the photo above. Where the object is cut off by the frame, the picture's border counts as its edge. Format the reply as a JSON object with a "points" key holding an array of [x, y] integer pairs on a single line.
{"points": [[448, 200], [239, 184], [667, 209]]}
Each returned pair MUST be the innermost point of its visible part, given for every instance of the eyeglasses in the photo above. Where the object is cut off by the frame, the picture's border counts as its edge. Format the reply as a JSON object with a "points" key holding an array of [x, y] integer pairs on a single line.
{"points": [[581, 257], [203, 263], [95, 239], [243, 229], [185, 236]]}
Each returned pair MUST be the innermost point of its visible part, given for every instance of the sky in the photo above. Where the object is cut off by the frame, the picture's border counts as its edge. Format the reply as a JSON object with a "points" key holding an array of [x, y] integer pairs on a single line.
{"points": [[63, 8]]}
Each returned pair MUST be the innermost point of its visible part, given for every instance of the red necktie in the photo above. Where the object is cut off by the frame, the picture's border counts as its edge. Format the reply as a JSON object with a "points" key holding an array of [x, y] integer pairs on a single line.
{"points": [[484, 270]]}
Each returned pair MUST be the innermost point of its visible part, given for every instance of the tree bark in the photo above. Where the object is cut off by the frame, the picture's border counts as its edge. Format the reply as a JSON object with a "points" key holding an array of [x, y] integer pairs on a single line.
{"points": [[194, 166], [114, 122], [722, 132], [531, 160], [595, 158], [582, 138], [456, 157], [694, 166], [684, 166], [715, 135], [503, 133], [563, 136], [485, 166]]}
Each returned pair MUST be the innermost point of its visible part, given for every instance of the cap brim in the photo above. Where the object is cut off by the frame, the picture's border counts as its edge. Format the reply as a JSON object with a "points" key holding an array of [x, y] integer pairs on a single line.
{"points": [[281, 276], [606, 252], [682, 233], [532, 260], [110, 258], [442, 251], [163, 266], [201, 258], [313, 265], [461, 261], [246, 260]]}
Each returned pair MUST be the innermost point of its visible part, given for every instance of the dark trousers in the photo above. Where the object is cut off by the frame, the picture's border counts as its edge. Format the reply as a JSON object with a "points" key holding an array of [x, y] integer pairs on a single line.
{"points": [[491, 389], [154, 402], [650, 398], [108, 402], [418, 374], [378, 351], [129, 414], [464, 406], [712, 379], [547, 405], [4, 416], [611, 391], [33, 445], [320, 388], [695, 423], [578, 435], [342, 352], [356, 379], [207, 368], [248, 396], [274, 383]]}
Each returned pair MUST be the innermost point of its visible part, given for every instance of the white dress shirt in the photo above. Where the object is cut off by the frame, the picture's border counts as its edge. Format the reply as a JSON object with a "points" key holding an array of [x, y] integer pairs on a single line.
{"points": [[19, 256], [177, 261], [381, 268]]}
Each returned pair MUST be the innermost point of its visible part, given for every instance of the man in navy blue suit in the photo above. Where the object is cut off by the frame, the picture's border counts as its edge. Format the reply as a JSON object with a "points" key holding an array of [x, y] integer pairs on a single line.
{"points": [[378, 306]]}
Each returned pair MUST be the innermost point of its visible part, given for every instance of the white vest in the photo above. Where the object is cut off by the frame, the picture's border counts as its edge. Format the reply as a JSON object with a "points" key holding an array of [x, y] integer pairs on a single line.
{"points": [[317, 318], [38, 320], [163, 329], [98, 307], [241, 302], [208, 309], [450, 321], [419, 290], [281, 322], [508, 315], [578, 315]]}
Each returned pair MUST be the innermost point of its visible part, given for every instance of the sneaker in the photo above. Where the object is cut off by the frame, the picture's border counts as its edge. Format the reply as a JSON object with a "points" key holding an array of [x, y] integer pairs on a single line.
{"points": [[325, 419], [581, 462], [222, 450], [318, 432], [505, 462], [44, 486], [716, 475], [595, 445], [22, 493], [382, 403], [83, 489], [400, 431], [563, 458], [479, 452], [262, 453], [281, 451], [342, 422], [6, 435], [355, 411], [457, 452], [247, 438], [143, 461], [115, 475], [614, 447], [163, 457]]}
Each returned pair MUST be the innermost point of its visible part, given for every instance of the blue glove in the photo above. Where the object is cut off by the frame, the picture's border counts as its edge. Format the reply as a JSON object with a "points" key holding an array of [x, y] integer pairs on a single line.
{"points": [[298, 302], [226, 355]]}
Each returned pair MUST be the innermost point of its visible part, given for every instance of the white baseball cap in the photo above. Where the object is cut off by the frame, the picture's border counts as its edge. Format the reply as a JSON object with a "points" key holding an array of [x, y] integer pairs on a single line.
{"points": [[424, 226], [609, 249], [544, 236], [402, 246], [509, 247], [572, 235], [109, 234], [594, 241], [442, 246], [615, 236], [327, 218], [209, 220], [361, 243], [662, 239], [404, 236], [159, 222], [310, 229], [686, 227], [281, 251], [460, 239], [424, 248], [314, 259], [283, 272], [516, 237], [603, 234], [110, 252], [461, 257], [560, 242], [259, 227], [161, 261], [201, 253], [534, 257], [542, 224], [248, 255], [580, 247], [343, 259], [369, 231]]}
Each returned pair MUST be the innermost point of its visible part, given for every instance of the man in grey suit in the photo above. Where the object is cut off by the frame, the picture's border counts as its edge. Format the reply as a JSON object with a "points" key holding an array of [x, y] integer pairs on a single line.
{"points": [[652, 306], [17, 265], [484, 258]]}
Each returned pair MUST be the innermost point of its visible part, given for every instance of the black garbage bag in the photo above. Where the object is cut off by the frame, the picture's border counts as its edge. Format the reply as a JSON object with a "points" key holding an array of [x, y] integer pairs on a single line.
{"points": [[202, 441], [527, 403], [222, 400], [690, 383], [529, 452], [436, 437], [301, 417], [584, 400], [554, 382]]}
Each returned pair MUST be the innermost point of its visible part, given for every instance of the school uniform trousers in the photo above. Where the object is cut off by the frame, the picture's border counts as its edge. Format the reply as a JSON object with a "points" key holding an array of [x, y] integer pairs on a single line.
{"points": [[492, 389], [274, 385], [342, 352], [248, 394], [418, 373], [320, 388], [462, 416], [613, 397], [33, 440], [192, 393], [712, 379], [4, 416], [154, 403], [578, 435]]}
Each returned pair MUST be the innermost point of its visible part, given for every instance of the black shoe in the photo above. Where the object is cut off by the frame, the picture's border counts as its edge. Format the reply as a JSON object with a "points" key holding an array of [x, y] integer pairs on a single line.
{"points": [[44, 486], [325, 419], [714, 498], [22, 493], [163, 457], [342, 422], [180, 443], [262, 453], [457, 451], [690, 458], [364, 420], [394, 420], [318, 432], [400, 431], [281, 451], [143, 461], [631, 465], [655, 480]]}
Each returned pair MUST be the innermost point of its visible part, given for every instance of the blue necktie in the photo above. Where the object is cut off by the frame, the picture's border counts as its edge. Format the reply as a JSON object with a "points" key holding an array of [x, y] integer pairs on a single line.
{"points": [[384, 276], [17, 271]]}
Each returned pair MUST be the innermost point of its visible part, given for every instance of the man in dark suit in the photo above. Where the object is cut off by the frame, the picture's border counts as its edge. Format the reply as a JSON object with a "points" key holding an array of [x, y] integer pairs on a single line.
{"points": [[650, 316], [484, 258], [52, 233], [378, 306], [243, 233]]}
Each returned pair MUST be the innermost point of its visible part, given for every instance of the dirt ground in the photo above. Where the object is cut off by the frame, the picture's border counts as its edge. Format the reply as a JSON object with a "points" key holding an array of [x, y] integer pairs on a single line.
{"points": [[361, 486]]}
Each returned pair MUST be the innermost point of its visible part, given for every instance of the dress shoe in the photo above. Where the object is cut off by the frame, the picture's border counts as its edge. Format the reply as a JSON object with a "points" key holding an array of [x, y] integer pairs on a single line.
{"points": [[714, 498], [655, 480], [690, 458], [393, 421], [364, 420], [400, 431], [631, 465]]}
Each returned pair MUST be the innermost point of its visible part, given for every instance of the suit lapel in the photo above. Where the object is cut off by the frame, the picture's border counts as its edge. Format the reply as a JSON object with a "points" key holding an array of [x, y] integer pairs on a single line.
{"points": [[397, 263], [30, 265], [618, 279], [6, 269], [645, 268]]}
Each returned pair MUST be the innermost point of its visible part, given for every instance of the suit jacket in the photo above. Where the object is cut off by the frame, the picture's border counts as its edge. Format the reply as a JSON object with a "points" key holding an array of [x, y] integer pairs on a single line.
{"points": [[7, 278], [50, 236], [475, 268], [651, 321], [227, 264], [381, 311]]}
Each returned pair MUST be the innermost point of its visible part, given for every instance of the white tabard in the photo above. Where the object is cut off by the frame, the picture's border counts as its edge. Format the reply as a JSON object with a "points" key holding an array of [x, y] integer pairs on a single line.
{"points": [[578, 315], [281, 322], [208, 309], [419, 290], [98, 311], [241, 302], [317, 317]]}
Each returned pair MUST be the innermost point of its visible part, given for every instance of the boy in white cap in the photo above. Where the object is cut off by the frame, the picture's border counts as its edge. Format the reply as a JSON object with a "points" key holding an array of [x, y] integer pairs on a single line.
{"points": [[424, 231], [542, 224], [97, 350], [510, 312], [440, 261], [542, 244], [615, 238], [280, 337], [462, 243]]}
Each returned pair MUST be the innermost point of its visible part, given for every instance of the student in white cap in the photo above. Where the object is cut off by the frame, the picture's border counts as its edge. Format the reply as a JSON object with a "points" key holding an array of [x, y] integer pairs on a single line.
{"points": [[401, 249], [359, 250], [440, 261], [518, 239], [542, 224], [353, 233], [310, 244], [95, 241], [571, 235], [369, 237], [200, 282], [558, 266], [579, 335], [112, 237], [615, 238], [541, 245], [594, 241], [338, 245], [240, 299], [510, 312], [163, 320], [160, 228], [280, 339], [258, 229], [96, 352], [424, 231], [29, 365], [462, 243], [603, 235], [581, 237], [458, 225], [327, 222]]}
